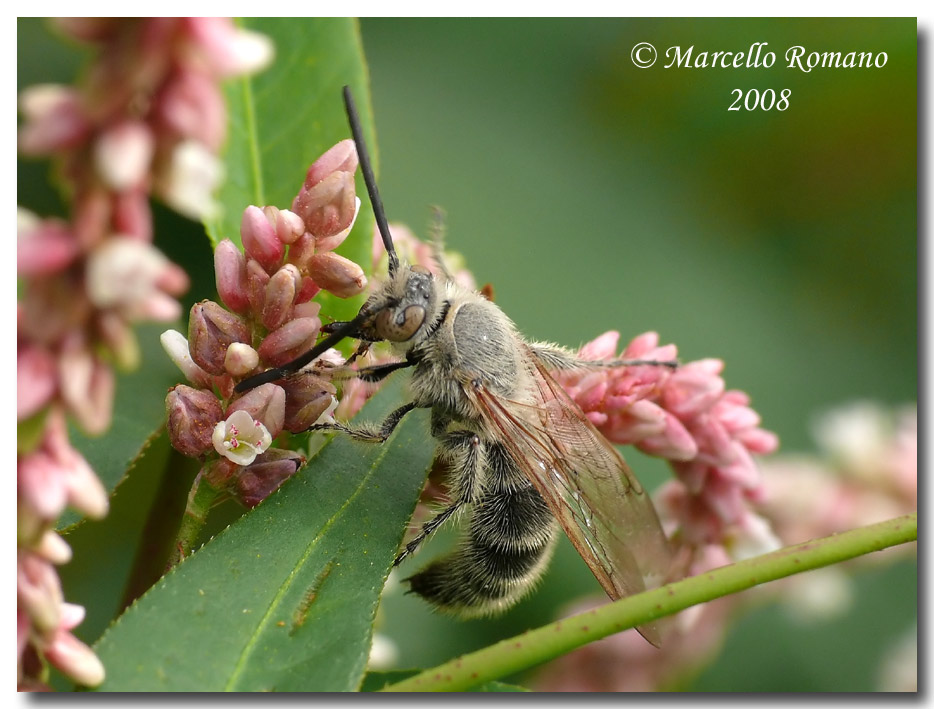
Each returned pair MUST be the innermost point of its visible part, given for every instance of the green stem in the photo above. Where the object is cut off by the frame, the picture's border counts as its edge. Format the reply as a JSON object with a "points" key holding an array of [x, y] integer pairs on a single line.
{"points": [[200, 499], [536, 646]]}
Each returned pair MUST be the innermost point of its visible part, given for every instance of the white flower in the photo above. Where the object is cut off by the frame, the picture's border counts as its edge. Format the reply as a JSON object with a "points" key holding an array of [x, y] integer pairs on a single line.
{"points": [[123, 154], [855, 436], [240, 438], [193, 174], [175, 345], [128, 274]]}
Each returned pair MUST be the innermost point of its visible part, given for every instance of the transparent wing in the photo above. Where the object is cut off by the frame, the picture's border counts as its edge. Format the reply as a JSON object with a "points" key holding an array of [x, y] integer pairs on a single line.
{"points": [[603, 508]]}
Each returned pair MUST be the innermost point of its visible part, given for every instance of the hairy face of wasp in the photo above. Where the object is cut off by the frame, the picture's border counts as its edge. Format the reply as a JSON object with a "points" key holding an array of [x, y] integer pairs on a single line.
{"points": [[402, 308]]}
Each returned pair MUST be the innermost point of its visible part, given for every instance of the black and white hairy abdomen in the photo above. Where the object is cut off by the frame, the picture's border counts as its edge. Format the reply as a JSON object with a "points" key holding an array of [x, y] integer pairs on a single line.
{"points": [[505, 546]]}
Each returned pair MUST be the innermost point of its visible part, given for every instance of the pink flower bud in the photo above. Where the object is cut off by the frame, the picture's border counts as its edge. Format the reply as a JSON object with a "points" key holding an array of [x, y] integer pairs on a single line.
{"points": [[263, 477], [211, 330], [714, 445], [341, 157], [673, 442], [289, 341], [691, 390], [53, 548], [603, 347], [230, 275], [289, 226], [123, 154], [93, 211], [132, 215], [733, 417], [75, 659], [265, 403], [260, 240], [306, 310], [332, 241], [192, 106], [743, 471], [43, 246], [35, 379], [301, 251], [227, 49], [55, 119], [240, 359], [724, 498], [83, 488], [337, 274], [256, 280], [280, 293], [306, 291], [590, 397], [219, 473], [39, 488], [329, 207], [192, 415], [758, 441], [39, 591], [641, 345], [307, 398], [86, 385]]}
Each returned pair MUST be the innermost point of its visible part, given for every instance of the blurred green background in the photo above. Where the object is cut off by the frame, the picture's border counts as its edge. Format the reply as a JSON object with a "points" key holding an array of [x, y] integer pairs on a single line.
{"points": [[593, 196]]}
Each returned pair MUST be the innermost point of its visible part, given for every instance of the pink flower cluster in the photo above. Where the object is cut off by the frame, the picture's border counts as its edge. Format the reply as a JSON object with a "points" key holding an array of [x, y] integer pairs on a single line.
{"points": [[148, 117], [866, 472], [687, 416], [269, 320]]}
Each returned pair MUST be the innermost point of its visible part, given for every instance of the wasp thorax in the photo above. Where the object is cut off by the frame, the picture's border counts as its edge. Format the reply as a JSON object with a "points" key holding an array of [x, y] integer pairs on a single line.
{"points": [[398, 325]]}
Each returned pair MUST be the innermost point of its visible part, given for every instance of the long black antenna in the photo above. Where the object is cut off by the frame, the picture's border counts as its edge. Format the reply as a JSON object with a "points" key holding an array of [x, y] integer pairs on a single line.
{"points": [[370, 180], [348, 329]]}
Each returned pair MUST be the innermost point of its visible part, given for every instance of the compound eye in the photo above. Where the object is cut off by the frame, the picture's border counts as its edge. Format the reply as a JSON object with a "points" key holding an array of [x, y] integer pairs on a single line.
{"points": [[399, 327]]}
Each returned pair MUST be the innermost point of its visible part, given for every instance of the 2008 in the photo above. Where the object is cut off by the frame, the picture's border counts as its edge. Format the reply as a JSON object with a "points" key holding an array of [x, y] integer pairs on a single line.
{"points": [[765, 100]]}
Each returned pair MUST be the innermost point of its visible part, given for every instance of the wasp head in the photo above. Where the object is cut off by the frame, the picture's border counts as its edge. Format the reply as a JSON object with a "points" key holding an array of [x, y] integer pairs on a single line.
{"points": [[403, 308]]}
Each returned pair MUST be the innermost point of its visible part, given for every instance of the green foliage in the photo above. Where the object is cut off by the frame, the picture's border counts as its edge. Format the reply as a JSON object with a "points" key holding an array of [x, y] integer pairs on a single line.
{"points": [[284, 599]]}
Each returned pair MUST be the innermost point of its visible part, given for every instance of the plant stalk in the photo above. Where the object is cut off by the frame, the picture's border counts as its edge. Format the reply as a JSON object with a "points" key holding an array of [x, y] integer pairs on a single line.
{"points": [[200, 499], [550, 641]]}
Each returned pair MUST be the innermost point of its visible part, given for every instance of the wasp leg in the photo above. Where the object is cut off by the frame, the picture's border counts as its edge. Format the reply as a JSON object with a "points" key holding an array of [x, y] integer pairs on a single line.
{"points": [[369, 432], [555, 357], [427, 528], [461, 451], [378, 372]]}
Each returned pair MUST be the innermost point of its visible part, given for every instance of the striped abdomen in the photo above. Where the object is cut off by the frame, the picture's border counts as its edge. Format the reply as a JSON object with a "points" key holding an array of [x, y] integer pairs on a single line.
{"points": [[505, 548]]}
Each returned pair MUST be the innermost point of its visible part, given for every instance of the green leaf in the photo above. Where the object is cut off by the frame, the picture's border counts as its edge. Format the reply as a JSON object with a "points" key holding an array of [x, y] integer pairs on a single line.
{"points": [[284, 118], [284, 599], [138, 414]]}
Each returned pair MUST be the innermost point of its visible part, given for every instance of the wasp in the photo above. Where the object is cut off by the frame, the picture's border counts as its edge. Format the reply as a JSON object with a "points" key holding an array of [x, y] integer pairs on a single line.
{"points": [[522, 459]]}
